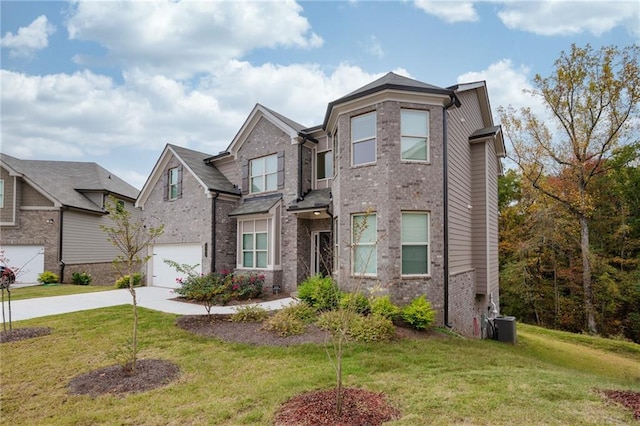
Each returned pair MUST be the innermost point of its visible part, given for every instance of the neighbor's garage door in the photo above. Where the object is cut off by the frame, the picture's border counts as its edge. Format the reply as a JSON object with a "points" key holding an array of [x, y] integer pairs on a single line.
{"points": [[183, 254], [30, 260]]}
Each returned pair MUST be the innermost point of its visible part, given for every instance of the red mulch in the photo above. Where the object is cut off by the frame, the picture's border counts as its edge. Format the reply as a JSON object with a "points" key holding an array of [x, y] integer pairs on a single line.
{"points": [[629, 399], [360, 408]]}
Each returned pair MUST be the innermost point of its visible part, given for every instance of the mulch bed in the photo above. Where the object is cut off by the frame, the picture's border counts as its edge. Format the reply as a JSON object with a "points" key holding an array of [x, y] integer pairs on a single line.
{"points": [[629, 399], [360, 408], [150, 374], [18, 334]]}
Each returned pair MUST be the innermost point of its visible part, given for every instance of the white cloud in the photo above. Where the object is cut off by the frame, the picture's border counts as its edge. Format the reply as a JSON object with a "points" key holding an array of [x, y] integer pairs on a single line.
{"points": [[449, 11], [375, 48], [88, 116], [181, 39], [570, 17], [29, 39]]}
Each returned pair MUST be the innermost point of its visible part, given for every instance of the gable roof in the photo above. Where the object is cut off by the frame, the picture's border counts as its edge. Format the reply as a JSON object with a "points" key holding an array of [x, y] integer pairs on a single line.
{"points": [[207, 175], [64, 182]]}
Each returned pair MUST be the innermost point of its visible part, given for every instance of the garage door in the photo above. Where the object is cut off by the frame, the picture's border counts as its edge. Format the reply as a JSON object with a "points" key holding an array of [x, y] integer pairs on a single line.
{"points": [[29, 260], [184, 254]]}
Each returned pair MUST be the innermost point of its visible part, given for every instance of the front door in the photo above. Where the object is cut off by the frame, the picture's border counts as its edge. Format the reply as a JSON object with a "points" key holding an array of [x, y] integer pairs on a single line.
{"points": [[321, 258]]}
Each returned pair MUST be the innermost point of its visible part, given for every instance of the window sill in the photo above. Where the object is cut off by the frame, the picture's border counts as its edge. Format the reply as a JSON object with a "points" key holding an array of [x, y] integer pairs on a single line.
{"points": [[427, 163], [415, 277], [357, 166]]}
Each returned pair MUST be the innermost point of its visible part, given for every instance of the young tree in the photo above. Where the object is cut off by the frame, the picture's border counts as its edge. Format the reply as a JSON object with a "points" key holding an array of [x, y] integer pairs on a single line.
{"points": [[131, 237], [593, 99]]}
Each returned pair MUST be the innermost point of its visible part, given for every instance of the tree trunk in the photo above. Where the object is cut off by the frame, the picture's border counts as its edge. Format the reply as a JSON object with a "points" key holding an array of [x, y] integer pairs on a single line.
{"points": [[134, 342], [586, 276]]}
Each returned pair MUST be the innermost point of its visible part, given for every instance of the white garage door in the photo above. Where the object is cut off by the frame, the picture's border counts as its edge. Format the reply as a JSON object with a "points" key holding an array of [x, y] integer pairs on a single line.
{"points": [[183, 254], [29, 260]]}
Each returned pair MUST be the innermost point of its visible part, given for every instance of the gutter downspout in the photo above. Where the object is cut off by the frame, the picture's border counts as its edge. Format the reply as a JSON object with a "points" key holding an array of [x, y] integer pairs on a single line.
{"points": [[445, 204], [214, 218], [60, 228]]}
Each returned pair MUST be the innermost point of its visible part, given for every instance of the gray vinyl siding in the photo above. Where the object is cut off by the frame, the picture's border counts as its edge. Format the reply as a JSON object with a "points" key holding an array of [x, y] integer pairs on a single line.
{"points": [[7, 212], [492, 219], [96, 198], [83, 241], [32, 198], [479, 215], [230, 170], [461, 123]]}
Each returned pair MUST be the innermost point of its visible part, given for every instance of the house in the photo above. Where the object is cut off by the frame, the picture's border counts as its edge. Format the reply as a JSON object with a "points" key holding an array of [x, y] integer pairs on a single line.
{"points": [[396, 191], [50, 217]]}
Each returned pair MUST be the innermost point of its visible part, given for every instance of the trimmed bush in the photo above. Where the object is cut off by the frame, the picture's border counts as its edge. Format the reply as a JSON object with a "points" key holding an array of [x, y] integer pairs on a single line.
{"points": [[123, 282], [382, 305], [249, 313], [80, 278], [319, 292], [355, 302], [48, 277], [336, 321], [419, 314], [371, 328], [285, 323], [219, 289]]}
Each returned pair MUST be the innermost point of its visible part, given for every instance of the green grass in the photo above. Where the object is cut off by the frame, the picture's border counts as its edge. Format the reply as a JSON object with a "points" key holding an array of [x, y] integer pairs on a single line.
{"points": [[54, 290], [546, 378]]}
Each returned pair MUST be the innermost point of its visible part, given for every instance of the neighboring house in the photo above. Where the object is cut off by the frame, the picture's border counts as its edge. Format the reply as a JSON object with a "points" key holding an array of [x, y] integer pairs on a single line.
{"points": [[50, 217], [416, 164]]}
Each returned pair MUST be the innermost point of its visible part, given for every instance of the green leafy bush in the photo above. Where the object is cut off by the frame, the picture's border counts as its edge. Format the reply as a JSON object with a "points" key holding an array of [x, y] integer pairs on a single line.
{"points": [[371, 328], [337, 321], [419, 314], [285, 323], [319, 292], [48, 277], [80, 278], [382, 305], [356, 302], [249, 313], [123, 282], [220, 288]]}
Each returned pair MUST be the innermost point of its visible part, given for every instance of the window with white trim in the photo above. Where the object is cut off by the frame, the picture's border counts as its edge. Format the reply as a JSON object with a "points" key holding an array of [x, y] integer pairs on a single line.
{"points": [[263, 174], [1, 193], [415, 243], [364, 239], [414, 135], [254, 243], [363, 139], [324, 165], [174, 184]]}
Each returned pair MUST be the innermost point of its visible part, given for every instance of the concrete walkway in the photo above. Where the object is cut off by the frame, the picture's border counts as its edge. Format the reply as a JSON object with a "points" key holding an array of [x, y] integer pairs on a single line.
{"points": [[155, 298]]}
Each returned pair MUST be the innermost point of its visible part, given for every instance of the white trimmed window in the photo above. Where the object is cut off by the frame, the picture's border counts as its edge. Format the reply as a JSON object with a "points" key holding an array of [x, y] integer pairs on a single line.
{"points": [[174, 183], [415, 243], [363, 139], [324, 165], [255, 243], [364, 239], [263, 173], [415, 135], [1, 193]]}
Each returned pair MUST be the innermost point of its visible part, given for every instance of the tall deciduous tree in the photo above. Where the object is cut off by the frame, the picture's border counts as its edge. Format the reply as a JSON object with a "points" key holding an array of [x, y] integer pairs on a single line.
{"points": [[592, 97], [131, 237]]}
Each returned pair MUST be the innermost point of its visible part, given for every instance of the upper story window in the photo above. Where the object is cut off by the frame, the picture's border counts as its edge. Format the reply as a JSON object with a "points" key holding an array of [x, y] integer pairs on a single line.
{"points": [[415, 243], [1, 193], [324, 165], [335, 152], [263, 173], [364, 240], [363, 139], [415, 135], [174, 183]]}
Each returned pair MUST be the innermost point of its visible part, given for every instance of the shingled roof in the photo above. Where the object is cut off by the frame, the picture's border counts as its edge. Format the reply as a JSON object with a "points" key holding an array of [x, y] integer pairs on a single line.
{"points": [[65, 181], [207, 173]]}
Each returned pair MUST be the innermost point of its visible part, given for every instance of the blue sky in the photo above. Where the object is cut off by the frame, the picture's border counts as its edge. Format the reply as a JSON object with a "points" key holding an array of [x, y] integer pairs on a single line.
{"points": [[113, 82]]}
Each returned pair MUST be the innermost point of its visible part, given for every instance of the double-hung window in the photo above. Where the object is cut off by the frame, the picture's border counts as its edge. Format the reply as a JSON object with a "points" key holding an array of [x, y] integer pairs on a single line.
{"points": [[363, 139], [415, 243], [1, 193], [415, 135], [255, 243], [364, 239], [173, 183], [264, 174]]}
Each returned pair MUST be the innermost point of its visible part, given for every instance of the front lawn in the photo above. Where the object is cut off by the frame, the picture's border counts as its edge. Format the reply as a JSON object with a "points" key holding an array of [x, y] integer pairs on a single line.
{"points": [[544, 379], [47, 290]]}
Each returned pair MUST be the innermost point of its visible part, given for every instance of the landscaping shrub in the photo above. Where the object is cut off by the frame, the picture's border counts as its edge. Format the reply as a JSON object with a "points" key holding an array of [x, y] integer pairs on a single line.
{"points": [[336, 321], [249, 313], [371, 328], [356, 302], [382, 305], [247, 286], [219, 289], [319, 292], [123, 282], [419, 314], [285, 323], [48, 277], [80, 278]]}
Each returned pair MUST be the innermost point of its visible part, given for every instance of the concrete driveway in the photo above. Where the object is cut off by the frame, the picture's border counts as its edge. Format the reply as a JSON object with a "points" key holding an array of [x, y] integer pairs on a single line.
{"points": [[155, 298]]}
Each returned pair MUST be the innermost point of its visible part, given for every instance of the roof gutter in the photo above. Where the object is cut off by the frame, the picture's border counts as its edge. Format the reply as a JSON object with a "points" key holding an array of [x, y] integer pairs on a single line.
{"points": [[445, 202]]}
